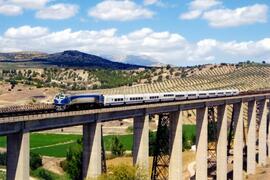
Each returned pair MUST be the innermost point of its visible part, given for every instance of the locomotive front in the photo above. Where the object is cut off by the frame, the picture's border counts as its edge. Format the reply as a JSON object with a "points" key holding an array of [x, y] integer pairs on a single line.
{"points": [[61, 101]]}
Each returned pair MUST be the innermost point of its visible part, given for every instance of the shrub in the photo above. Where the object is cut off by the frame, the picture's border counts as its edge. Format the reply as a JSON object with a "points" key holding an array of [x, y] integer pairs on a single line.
{"points": [[35, 160], [74, 161], [117, 148], [124, 172], [3, 158], [129, 129], [43, 174]]}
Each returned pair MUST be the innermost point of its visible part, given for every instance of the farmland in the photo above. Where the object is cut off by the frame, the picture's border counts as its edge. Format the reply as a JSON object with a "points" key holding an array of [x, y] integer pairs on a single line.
{"points": [[56, 145]]}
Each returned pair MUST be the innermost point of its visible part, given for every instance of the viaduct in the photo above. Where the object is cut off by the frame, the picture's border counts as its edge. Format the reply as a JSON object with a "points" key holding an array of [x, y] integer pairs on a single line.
{"points": [[17, 129]]}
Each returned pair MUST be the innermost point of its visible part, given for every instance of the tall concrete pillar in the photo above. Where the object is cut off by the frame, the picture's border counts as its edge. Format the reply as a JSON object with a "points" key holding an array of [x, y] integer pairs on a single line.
{"points": [[262, 132], [268, 136], [141, 142], [18, 156], [238, 142], [175, 166], [251, 138], [91, 150], [201, 143], [222, 143]]}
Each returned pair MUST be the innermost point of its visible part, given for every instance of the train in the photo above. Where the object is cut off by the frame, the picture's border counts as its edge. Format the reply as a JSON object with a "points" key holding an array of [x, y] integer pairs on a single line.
{"points": [[64, 101]]}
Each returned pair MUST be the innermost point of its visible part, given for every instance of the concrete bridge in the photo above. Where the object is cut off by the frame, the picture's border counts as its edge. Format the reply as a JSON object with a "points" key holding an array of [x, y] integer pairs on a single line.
{"points": [[17, 130]]}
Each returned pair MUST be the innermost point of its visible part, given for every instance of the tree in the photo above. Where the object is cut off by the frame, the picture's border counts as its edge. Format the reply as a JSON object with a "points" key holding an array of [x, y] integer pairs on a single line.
{"points": [[117, 148], [3, 159], [74, 161], [35, 161], [152, 143]]}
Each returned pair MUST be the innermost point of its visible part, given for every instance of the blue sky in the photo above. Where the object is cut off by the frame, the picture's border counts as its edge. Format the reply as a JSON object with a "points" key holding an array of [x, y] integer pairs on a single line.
{"points": [[176, 32]]}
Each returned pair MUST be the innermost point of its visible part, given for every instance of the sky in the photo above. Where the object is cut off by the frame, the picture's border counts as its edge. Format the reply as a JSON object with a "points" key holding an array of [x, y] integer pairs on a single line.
{"points": [[177, 32]]}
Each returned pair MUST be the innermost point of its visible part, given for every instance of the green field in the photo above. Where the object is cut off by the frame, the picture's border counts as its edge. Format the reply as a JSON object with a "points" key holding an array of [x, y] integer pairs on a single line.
{"points": [[57, 144]]}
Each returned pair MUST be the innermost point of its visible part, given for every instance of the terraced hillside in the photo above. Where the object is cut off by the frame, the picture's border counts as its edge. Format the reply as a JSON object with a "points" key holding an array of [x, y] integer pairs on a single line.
{"points": [[248, 77]]}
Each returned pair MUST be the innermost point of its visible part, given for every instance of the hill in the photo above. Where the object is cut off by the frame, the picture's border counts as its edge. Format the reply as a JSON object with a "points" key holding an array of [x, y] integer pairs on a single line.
{"points": [[21, 56], [70, 59], [243, 77]]}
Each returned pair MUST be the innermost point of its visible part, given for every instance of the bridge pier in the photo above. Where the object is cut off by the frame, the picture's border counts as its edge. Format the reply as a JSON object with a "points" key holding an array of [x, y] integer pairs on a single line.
{"points": [[268, 135], [175, 165], [18, 156], [238, 142], [141, 142], [201, 143], [91, 164], [262, 132], [251, 138], [222, 143]]}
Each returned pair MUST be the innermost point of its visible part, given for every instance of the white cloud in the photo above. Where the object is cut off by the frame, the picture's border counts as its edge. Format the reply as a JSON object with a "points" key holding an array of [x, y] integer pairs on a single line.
{"points": [[58, 11], [236, 17], [166, 47], [119, 11], [25, 32], [30, 4], [203, 4], [10, 10], [217, 16], [197, 7], [16, 7], [191, 15], [150, 2]]}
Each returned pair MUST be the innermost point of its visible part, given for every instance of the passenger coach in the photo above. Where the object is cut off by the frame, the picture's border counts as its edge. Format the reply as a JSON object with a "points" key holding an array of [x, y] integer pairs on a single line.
{"points": [[63, 101]]}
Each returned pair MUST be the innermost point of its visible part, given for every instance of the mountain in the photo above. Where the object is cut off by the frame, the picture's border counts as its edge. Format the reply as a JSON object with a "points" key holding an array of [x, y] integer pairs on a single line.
{"points": [[137, 60], [141, 60], [21, 56], [73, 59]]}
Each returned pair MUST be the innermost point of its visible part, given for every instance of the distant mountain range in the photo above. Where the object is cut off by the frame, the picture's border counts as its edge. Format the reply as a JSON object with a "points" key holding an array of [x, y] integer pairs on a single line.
{"points": [[137, 60], [75, 59]]}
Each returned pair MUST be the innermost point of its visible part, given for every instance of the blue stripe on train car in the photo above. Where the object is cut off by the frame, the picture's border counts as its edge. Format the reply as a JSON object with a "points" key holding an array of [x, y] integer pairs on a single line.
{"points": [[72, 97]]}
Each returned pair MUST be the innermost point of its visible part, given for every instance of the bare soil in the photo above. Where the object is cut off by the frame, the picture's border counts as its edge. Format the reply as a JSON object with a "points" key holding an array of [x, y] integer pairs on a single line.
{"points": [[23, 94]]}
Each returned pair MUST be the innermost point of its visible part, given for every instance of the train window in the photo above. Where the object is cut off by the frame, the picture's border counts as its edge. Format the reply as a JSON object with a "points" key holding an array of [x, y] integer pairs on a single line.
{"points": [[202, 94], [168, 95], [153, 97], [220, 92], [179, 95], [192, 95], [228, 92], [212, 93]]}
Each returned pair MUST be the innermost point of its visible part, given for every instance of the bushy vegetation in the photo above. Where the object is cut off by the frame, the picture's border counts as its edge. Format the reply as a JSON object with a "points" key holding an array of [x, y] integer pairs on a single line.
{"points": [[124, 172], [117, 148], [44, 174], [35, 161], [73, 164], [2, 175], [3, 159]]}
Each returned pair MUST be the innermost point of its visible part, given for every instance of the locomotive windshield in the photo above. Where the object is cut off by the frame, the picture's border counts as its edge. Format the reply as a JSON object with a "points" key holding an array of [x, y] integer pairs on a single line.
{"points": [[60, 96]]}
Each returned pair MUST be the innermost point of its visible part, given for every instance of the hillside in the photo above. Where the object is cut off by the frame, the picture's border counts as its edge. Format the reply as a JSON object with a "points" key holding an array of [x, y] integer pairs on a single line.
{"points": [[246, 77], [68, 59], [21, 56]]}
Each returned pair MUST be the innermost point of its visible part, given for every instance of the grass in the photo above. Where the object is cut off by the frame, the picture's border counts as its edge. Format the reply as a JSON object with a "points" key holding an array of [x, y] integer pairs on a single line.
{"points": [[2, 175], [189, 130], [42, 173], [59, 150]]}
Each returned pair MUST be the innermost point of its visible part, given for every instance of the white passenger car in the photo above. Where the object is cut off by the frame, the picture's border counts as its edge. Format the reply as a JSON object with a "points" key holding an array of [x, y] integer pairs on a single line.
{"points": [[181, 96], [153, 97], [110, 100], [135, 98], [192, 95], [168, 96]]}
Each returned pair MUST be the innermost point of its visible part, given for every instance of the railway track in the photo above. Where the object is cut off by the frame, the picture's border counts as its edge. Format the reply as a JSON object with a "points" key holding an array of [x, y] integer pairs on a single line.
{"points": [[26, 110], [12, 111]]}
